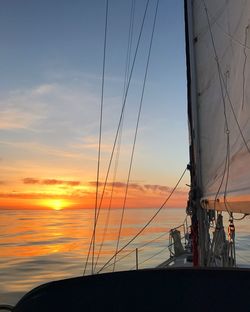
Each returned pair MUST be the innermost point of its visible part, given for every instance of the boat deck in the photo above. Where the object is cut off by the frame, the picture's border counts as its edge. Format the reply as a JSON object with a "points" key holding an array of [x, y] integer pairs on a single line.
{"points": [[177, 262]]}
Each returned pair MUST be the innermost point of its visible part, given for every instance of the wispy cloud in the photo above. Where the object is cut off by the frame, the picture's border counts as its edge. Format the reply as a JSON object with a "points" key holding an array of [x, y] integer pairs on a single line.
{"points": [[145, 188], [13, 118], [50, 182], [23, 195], [141, 188], [23, 109], [91, 143], [44, 89], [57, 182], [48, 104], [41, 148], [30, 181]]}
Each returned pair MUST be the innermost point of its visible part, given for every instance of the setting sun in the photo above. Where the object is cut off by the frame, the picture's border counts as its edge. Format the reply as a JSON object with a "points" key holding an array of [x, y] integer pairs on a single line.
{"points": [[56, 204]]}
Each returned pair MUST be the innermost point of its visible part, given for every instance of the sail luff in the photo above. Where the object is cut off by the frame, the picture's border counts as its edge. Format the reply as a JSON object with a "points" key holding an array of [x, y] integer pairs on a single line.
{"points": [[192, 99]]}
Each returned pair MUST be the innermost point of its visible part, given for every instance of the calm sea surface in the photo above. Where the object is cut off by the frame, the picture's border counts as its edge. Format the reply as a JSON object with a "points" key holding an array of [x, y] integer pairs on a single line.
{"points": [[40, 246]]}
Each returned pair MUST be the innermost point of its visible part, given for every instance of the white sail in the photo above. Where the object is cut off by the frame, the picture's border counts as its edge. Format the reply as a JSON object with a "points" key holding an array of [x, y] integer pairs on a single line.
{"points": [[221, 49]]}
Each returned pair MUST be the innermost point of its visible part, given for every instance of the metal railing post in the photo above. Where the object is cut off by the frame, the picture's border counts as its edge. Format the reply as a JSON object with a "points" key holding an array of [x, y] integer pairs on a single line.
{"points": [[136, 258]]}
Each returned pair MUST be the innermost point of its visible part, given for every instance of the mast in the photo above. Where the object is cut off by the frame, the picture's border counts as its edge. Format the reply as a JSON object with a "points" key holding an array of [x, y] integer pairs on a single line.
{"points": [[198, 215]]}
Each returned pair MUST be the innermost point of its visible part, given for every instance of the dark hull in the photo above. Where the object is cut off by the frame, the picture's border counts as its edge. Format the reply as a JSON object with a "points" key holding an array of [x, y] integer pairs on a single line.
{"points": [[145, 290]]}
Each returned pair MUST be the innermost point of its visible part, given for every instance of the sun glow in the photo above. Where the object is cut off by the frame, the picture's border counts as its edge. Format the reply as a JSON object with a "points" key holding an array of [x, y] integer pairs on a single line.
{"points": [[56, 204]]}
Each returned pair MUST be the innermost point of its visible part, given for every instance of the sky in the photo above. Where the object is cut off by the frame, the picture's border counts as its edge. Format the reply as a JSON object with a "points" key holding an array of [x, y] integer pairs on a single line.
{"points": [[51, 61]]}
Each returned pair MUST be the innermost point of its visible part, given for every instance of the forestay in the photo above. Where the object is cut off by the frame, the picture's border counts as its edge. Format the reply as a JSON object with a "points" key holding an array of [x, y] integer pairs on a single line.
{"points": [[221, 45]]}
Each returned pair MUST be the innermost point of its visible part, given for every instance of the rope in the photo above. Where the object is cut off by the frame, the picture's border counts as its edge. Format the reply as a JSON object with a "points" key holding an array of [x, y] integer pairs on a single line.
{"points": [[130, 39], [100, 134], [244, 69], [118, 128], [148, 223], [239, 219], [123, 107], [243, 45], [127, 65], [125, 256], [153, 240], [243, 258], [136, 132]]}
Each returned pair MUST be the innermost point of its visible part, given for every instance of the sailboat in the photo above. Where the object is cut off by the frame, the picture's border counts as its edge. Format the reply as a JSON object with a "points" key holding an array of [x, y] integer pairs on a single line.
{"points": [[217, 41]]}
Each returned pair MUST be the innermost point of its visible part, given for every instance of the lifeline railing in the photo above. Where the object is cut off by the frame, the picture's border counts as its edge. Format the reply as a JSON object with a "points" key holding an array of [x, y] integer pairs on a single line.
{"points": [[183, 230]]}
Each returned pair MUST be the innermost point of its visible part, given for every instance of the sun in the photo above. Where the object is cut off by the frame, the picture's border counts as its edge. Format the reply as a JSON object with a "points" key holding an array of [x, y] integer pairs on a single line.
{"points": [[55, 204]]}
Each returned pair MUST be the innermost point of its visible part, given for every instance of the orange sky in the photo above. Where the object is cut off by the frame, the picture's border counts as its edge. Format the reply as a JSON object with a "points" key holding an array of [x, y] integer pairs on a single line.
{"points": [[33, 193]]}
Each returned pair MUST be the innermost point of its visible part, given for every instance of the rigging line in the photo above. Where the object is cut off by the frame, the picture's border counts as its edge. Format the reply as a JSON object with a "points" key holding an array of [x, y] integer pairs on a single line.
{"points": [[227, 176], [120, 259], [243, 45], [119, 125], [227, 158], [100, 134], [153, 240], [110, 204], [220, 71], [228, 150], [126, 75], [129, 49], [139, 248], [155, 255], [244, 69], [227, 133], [222, 180], [125, 96], [123, 106], [243, 258], [111, 197], [227, 163], [235, 117], [239, 219], [136, 130], [149, 222], [231, 214]]}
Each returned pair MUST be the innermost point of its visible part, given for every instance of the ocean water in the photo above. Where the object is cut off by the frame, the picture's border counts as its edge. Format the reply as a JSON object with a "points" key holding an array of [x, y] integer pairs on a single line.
{"points": [[40, 246]]}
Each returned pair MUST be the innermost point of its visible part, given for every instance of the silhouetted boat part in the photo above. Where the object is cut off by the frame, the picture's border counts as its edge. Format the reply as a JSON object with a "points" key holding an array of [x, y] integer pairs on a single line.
{"points": [[144, 290]]}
